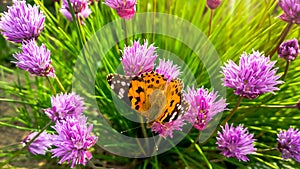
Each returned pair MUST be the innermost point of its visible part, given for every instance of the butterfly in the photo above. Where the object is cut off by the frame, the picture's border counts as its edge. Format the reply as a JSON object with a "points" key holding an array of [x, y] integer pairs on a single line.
{"points": [[151, 95]]}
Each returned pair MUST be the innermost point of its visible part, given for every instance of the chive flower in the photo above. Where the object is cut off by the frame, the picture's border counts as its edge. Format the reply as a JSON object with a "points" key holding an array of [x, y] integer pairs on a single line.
{"points": [[64, 105], [289, 144], [235, 142], [289, 50], [40, 145], [22, 22], [213, 4], [168, 69], [73, 141], [124, 8], [138, 58], [291, 9], [204, 106], [34, 59], [254, 76], [80, 7]]}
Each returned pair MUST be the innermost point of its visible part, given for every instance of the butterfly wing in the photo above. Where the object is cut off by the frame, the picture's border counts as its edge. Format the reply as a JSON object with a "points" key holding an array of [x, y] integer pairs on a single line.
{"points": [[120, 85], [175, 106]]}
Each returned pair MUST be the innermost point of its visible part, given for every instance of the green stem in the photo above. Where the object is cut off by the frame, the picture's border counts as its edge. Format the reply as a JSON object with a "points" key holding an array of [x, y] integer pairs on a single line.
{"points": [[196, 140], [81, 31], [232, 111], [286, 69], [203, 155], [26, 146], [282, 37], [125, 32], [51, 85], [61, 87], [210, 22]]}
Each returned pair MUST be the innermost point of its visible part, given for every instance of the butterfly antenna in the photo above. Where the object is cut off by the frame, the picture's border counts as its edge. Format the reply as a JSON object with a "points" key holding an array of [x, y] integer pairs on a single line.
{"points": [[125, 131]]}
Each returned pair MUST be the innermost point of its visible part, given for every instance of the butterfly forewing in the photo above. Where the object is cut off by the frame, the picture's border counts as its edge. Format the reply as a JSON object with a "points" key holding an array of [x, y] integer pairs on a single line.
{"points": [[120, 85]]}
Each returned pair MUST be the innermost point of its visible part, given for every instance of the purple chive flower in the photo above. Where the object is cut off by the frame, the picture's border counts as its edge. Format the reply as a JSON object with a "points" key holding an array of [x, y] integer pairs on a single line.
{"points": [[235, 142], [167, 69], [289, 144], [124, 8], [73, 141], [80, 7], [291, 10], [36, 60], [64, 105], [204, 106], [22, 22], [253, 76], [138, 59], [213, 4], [40, 145], [289, 50], [166, 129]]}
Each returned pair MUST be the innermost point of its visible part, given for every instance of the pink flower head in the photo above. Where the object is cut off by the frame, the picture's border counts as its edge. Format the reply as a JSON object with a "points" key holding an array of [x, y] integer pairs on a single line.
{"points": [[124, 8], [235, 142], [73, 140], [138, 59], [254, 76], [291, 10], [289, 144], [204, 106], [22, 22], [64, 105], [166, 129], [36, 60], [168, 69], [40, 145], [80, 7]]}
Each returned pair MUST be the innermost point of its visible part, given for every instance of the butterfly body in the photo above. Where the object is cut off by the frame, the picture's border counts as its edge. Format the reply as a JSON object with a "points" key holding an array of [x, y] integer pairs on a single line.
{"points": [[151, 95]]}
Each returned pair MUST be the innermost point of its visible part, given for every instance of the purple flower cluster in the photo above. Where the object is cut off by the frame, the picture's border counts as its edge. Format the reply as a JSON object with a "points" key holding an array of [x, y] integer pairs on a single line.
{"points": [[204, 106], [124, 8], [289, 144], [166, 129], [80, 7], [291, 10], [168, 69], [235, 142], [254, 76], [289, 50], [36, 60], [73, 138], [64, 105], [22, 22], [138, 58], [40, 145]]}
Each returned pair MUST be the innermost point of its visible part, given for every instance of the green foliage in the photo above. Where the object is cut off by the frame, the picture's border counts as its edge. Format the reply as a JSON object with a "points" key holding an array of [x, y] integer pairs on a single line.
{"points": [[238, 26]]}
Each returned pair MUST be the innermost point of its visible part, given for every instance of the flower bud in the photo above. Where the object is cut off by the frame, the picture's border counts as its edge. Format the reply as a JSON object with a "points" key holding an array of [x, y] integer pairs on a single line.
{"points": [[213, 4]]}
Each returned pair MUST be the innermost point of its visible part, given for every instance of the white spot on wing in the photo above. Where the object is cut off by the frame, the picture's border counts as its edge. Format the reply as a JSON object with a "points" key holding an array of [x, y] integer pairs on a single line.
{"points": [[121, 93]]}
